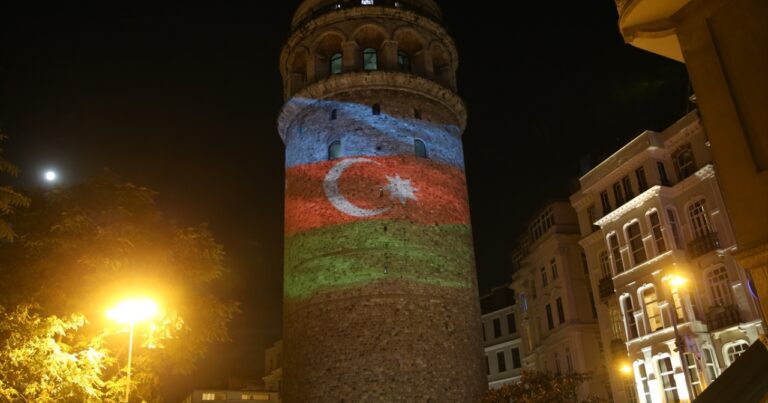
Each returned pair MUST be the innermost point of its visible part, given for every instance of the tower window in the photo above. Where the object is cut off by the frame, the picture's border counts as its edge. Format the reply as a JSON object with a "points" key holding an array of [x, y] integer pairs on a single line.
{"points": [[404, 61], [420, 148], [366, 2], [334, 150], [336, 63], [370, 59], [376, 109], [334, 114], [417, 113]]}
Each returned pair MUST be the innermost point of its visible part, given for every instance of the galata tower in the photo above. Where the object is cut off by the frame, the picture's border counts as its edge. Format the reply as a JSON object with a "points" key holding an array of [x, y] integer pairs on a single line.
{"points": [[380, 291]]}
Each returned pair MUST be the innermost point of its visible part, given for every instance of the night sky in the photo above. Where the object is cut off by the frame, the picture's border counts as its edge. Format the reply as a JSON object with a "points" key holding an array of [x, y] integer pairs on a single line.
{"points": [[184, 100]]}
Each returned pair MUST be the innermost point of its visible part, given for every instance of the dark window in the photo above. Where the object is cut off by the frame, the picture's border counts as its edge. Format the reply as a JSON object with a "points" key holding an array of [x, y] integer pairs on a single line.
{"points": [[584, 265], [511, 323], [662, 173], [497, 327], [629, 316], [592, 304], [482, 326], [550, 320], [417, 113], [560, 311], [376, 109], [628, 192], [370, 59], [635, 239], [592, 215], [334, 150], [420, 148], [336, 64], [618, 194], [501, 361], [685, 164], [544, 281], [606, 202], [613, 242], [642, 183], [487, 366], [334, 114], [658, 236], [516, 358], [403, 61], [553, 266]]}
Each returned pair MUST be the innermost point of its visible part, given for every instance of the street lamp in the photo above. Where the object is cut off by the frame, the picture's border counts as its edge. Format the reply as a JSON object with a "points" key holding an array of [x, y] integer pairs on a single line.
{"points": [[676, 282], [132, 311]]}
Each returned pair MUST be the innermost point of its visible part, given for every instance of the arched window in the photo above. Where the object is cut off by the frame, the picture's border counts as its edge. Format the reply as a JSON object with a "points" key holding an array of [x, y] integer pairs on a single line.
{"points": [[403, 61], [376, 109], [710, 363], [699, 219], [629, 317], [613, 242], [685, 164], [717, 283], [675, 229], [334, 114], [605, 264], [667, 375], [658, 235], [336, 63], [641, 377], [651, 306], [732, 351], [334, 150], [370, 59], [635, 240], [420, 148]]}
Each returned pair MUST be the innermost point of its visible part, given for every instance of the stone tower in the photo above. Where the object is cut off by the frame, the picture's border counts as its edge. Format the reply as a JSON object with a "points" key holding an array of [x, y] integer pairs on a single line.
{"points": [[380, 294]]}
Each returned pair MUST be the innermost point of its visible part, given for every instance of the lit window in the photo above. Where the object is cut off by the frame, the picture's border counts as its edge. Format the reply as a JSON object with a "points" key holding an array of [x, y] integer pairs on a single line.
{"points": [[336, 63], [334, 150], [735, 350], [717, 282], [700, 219], [617, 328], [635, 239], [366, 2], [693, 374], [370, 59], [641, 377], [658, 236], [652, 310], [685, 164], [403, 61], [420, 148], [667, 375], [209, 396]]}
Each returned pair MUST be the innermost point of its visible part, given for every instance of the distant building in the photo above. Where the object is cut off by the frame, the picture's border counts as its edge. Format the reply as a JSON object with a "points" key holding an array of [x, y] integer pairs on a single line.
{"points": [[555, 306], [652, 217], [273, 367], [501, 340], [234, 391]]}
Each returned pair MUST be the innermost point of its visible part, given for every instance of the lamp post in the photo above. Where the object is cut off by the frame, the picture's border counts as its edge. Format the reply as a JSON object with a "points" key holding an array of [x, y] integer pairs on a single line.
{"points": [[676, 282], [130, 312]]}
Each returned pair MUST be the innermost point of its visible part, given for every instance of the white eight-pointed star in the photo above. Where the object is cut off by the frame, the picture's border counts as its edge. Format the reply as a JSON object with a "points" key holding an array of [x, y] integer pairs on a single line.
{"points": [[400, 189]]}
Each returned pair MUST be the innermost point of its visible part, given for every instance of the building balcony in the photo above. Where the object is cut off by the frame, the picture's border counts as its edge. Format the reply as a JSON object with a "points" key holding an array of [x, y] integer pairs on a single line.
{"points": [[605, 287], [703, 244], [618, 348], [721, 317], [648, 25]]}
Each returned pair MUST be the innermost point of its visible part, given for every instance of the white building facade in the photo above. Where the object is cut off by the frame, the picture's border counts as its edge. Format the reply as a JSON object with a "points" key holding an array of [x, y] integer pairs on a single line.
{"points": [[675, 308], [555, 304], [501, 340]]}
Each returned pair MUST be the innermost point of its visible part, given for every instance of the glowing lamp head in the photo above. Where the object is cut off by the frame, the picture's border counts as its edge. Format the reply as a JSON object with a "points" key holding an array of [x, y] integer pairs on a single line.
{"points": [[625, 369], [676, 281], [50, 176], [133, 310]]}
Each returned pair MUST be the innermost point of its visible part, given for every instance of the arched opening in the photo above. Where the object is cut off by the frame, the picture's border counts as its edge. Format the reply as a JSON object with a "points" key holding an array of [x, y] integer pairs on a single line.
{"points": [[336, 63], [441, 65], [403, 61], [376, 109], [411, 57], [329, 58], [420, 148], [334, 114], [334, 150], [369, 39], [370, 59], [298, 71]]}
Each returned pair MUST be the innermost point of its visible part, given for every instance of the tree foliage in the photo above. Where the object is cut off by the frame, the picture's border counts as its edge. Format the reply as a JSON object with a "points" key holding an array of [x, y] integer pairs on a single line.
{"points": [[82, 248], [537, 386], [43, 359], [9, 198]]}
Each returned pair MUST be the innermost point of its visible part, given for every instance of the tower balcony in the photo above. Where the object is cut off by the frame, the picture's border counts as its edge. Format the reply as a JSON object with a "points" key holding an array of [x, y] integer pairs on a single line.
{"points": [[314, 9], [703, 244], [650, 25]]}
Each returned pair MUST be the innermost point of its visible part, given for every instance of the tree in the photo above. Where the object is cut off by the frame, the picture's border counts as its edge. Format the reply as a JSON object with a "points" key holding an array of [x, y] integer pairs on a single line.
{"points": [[81, 248], [537, 386], [9, 198], [42, 359]]}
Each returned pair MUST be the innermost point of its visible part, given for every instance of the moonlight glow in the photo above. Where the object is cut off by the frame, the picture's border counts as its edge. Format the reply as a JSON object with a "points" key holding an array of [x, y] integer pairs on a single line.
{"points": [[50, 176]]}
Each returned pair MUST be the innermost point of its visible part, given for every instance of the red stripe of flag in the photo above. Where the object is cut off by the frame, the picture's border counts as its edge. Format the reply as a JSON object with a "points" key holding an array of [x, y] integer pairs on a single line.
{"points": [[440, 191]]}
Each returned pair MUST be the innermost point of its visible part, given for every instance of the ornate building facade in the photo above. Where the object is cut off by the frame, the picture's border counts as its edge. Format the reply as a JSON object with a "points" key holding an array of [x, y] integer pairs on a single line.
{"points": [[380, 291], [676, 309]]}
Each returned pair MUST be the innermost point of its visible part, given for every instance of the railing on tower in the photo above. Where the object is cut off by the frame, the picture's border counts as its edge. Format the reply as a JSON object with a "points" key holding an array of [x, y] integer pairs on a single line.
{"points": [[347, 4]]}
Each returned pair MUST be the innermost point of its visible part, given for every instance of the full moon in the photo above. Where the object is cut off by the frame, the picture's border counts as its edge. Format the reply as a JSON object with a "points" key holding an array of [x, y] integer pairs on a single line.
{"points": [[50, 176]]}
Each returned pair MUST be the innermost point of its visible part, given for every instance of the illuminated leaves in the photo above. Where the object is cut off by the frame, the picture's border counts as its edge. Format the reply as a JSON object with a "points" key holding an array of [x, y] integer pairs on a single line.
{"points": [[9, 198], [534, 387]]}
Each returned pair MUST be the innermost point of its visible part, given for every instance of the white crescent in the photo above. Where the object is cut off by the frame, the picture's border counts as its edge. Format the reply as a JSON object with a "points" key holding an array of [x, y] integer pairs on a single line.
{"points": [[332, 192]]}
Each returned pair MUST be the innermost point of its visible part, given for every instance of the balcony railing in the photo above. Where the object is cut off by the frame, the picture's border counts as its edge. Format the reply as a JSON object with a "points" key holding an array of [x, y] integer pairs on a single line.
{"points": [[605, 287], [347, 4], [703, 244], [618, 348], [720, 317]]}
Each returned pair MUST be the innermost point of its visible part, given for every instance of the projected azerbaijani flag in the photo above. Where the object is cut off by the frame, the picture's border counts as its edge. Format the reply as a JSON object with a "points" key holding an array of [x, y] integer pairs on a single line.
{"points": [[364, 219]]}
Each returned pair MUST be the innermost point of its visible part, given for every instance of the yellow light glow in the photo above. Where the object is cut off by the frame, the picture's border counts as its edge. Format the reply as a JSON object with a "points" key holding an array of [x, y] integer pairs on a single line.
{"points": [[676, 281], [625, 369], [133, 310]]}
